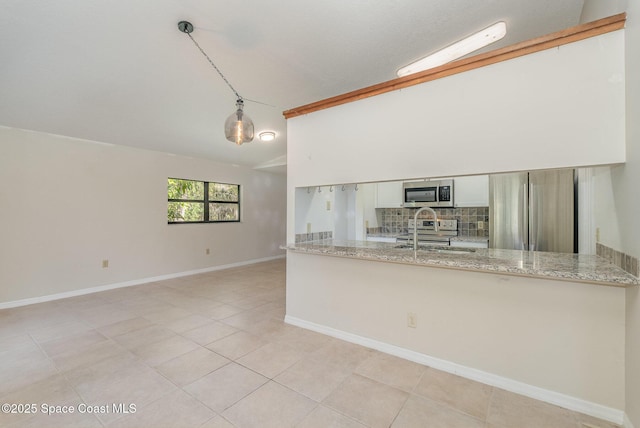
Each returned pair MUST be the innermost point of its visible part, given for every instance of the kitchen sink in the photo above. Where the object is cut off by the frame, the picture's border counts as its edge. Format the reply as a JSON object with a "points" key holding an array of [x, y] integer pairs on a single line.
{"points": [[444, 250]]}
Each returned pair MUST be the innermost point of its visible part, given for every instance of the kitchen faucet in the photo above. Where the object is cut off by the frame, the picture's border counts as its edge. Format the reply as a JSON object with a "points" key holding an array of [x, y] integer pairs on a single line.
{"points": [[415, 224]]}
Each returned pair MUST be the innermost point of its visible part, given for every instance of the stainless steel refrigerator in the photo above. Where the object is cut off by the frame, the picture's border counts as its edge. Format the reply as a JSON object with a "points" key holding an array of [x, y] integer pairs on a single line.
{"points": [[533, 211]]}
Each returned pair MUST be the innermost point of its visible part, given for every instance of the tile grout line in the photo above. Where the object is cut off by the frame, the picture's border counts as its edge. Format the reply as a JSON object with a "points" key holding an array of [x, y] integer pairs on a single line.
{"points": [[493, 393], [66, 380]]}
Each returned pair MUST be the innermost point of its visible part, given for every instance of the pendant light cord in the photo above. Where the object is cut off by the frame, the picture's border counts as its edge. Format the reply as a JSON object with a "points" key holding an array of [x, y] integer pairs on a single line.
{"points": [[214, 66]]}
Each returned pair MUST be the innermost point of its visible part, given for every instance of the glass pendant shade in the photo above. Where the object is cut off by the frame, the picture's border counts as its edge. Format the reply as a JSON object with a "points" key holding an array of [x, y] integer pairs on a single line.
{"points": [[238, 128]]}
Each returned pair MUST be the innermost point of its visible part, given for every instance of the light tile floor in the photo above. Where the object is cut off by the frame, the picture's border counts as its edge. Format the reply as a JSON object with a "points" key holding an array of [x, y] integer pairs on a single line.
{"points": [[212, 350]]}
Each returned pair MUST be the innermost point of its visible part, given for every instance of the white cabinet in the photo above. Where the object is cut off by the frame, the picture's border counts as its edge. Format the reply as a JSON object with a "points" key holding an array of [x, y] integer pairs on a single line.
{"points": [[389, 194], [471, 191]]}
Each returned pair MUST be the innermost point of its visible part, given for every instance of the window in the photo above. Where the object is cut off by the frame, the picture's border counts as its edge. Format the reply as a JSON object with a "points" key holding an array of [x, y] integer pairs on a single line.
{"points": [[191, 201]]}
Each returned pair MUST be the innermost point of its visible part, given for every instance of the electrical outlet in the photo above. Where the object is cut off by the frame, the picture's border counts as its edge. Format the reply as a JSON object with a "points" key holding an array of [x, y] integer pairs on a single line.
{"points": [[412, 320], [480, 225], [207, 251], [105, 263]]}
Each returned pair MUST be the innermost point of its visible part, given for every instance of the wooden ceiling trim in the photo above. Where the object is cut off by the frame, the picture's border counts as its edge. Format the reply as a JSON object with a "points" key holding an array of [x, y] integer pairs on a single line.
{"points": [[569, 35]]}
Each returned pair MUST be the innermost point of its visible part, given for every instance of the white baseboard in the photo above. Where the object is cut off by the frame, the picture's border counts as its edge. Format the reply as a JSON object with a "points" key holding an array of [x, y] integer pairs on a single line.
{"points": [[568, 402], [80, 292]]}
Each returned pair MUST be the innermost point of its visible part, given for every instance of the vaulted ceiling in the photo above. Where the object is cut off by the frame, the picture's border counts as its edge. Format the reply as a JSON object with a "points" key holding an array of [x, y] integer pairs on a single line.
{"points": [[121, 72]]}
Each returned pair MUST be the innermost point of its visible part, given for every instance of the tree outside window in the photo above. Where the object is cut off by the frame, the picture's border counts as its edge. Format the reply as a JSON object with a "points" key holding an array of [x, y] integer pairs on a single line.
{"points": [[191, 201]]}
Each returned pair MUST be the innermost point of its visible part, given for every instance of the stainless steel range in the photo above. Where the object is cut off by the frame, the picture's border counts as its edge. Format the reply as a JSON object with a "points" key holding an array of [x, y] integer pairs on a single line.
{"points": [[427, 235]]}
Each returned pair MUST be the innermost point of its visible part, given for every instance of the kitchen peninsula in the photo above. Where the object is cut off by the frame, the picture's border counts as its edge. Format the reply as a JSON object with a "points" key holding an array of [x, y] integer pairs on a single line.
{"points": [[542, 325], [538, 324]]}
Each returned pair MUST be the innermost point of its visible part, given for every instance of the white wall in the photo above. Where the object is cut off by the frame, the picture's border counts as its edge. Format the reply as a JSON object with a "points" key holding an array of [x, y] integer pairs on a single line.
{"points": [[366, 209], [531, 112], [626, 181], [345, 214], [606, 206], [311, 208], [617, 201], [69, 204], [341, 214]]}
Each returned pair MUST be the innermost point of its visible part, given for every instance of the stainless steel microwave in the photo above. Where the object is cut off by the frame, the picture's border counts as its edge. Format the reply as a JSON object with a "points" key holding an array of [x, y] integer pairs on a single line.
{"points": [[436, 193]]}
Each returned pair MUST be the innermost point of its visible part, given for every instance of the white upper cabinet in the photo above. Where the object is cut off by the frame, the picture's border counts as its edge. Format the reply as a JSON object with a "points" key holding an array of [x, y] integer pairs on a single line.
{"points": [[471, 191], [389, 194]]}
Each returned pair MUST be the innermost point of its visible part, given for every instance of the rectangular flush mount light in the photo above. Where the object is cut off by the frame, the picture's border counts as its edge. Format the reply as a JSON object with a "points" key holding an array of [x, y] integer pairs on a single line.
{"points": [[457, 50]]}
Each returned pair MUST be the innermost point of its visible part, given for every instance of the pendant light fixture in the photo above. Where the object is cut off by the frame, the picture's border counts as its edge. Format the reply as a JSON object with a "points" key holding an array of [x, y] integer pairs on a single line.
{"points": [[238, 128]]}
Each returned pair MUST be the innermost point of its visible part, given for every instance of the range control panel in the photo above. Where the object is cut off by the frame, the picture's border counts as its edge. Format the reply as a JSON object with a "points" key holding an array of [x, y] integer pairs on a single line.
{"points": [[428, 224]]}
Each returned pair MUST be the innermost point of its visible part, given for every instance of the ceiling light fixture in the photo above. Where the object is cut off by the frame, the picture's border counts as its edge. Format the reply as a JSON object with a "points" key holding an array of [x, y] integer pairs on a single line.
{"points": [[267, 136], [238, 128], [457, 50]]}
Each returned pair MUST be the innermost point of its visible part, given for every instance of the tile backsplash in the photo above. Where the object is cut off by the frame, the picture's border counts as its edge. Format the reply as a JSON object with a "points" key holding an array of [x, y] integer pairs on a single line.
{"points": [[396, 220], [316, 236], [624, 261]]}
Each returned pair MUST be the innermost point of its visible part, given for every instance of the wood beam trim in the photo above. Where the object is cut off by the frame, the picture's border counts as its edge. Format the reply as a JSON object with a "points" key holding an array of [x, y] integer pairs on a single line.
{"points": [[563, 37]]}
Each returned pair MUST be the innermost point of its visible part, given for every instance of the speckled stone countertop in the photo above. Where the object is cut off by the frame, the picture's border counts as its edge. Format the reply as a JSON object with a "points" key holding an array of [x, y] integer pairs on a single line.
{"points": [[570, 267]]}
